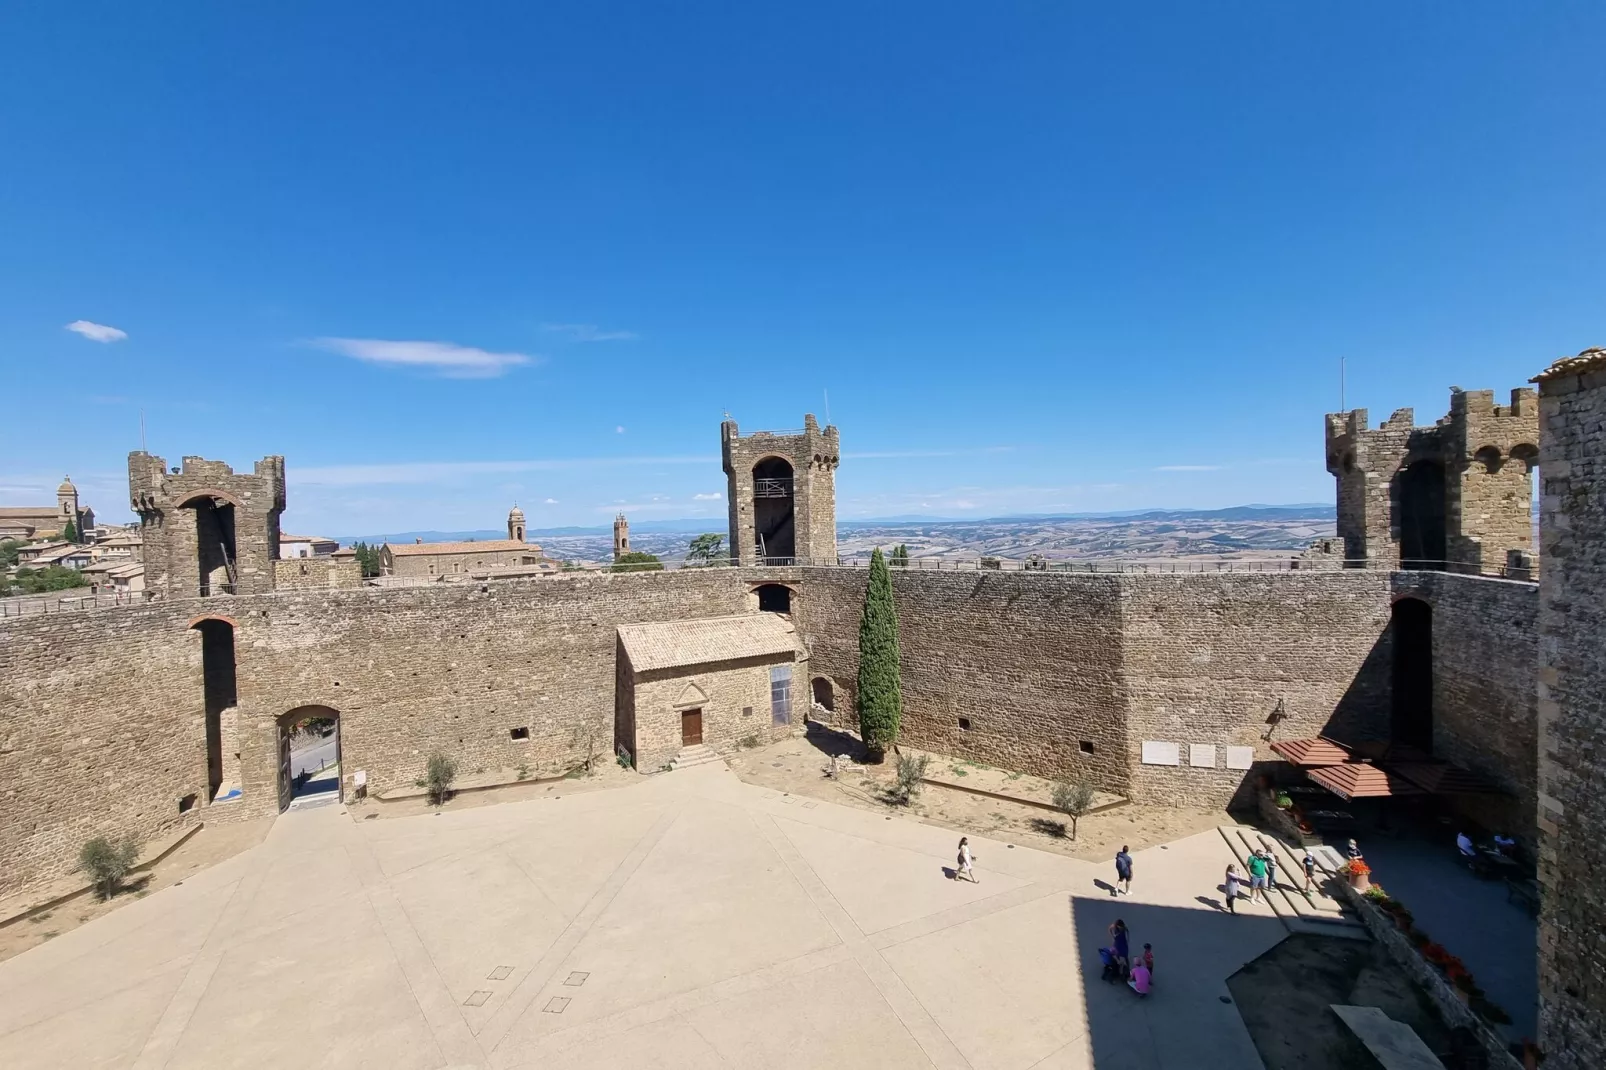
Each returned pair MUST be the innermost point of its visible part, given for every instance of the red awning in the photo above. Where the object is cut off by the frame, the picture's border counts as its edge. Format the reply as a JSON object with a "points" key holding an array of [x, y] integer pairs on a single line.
{"points": [[1357, 780], [1312, 753]]}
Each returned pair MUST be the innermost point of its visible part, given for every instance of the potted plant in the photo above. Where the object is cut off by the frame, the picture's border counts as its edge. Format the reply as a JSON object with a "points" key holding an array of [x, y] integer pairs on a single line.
{"points": [[1284, 801], [1359, 874]]}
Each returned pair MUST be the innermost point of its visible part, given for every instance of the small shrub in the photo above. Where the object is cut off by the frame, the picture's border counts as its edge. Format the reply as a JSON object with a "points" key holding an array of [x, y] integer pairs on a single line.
{"points": [[438, 777], [911, 773], [107, 863], [523, 771], [1073, 800], [749, 742], [420, 783]]}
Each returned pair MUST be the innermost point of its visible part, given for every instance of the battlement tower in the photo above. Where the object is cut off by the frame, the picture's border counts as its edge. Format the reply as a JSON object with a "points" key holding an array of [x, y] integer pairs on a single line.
{"points": [[782, 492], [207, 530], [1455, 495]]}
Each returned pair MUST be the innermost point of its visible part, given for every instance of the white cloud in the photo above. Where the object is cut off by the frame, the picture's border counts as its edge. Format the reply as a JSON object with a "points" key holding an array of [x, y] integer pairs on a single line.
{"points": [[589, 332], [449, 359], [96, 332], [619, 430], [714, 497], [1188, 468], [550, 501]]}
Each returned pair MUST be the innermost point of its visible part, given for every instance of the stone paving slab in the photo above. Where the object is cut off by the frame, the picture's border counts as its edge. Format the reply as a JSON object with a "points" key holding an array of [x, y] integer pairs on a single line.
{"points": [[681, 921]]}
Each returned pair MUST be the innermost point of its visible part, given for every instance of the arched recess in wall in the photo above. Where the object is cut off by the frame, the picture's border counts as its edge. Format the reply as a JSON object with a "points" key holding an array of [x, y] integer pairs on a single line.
{"points": [[1420, 502], [774, 521], [215, 549], [824, 693], [1411, 679], [219, 697], [774, 598], [309, 753]]}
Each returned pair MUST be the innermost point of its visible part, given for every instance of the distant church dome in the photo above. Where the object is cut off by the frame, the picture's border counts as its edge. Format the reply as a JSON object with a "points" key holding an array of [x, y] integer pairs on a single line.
{"points": [[515, 513], [66, 486]]}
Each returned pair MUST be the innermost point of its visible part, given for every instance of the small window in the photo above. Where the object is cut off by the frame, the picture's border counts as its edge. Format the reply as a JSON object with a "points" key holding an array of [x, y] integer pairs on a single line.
{"points": [[747, 711], [1086, 746], [964, 724], [781, 694], [519, 733], [186, 804]]}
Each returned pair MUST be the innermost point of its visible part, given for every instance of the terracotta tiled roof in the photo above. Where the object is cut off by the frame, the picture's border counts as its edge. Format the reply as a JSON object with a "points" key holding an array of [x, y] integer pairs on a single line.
{"points": [[674, 644], [1311, 753], [25, 512], [1589, 360], [1359, 781], [486, 546]]}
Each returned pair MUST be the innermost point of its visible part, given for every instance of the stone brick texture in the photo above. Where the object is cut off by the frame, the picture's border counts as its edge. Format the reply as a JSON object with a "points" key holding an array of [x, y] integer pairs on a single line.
{"points": [[723, 691], [1485, 657], [310, 573], [1572, 714], [1487, 452], [1055, 674], [180, 535], [814, 456]]}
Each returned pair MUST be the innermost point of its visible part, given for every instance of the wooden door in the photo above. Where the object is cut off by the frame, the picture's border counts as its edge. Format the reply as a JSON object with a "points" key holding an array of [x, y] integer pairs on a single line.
{"points": [[285, 783], [691, 727]]}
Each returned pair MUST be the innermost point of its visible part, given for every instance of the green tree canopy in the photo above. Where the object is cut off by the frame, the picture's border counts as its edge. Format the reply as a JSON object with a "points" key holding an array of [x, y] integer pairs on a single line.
{"points": [[44, 580], [636, 561], [880, 683], [367, 557], [70, 532], [900, 556], [707, 549], [9, 548]]}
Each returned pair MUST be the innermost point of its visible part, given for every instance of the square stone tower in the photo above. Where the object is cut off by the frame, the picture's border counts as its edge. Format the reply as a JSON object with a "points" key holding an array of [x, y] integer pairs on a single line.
{"points": [[1457, 495], [782, 492], [207, 531], [1572, 714]]}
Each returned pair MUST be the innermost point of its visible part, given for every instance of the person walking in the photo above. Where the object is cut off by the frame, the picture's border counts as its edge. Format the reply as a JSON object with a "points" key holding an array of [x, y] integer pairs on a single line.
{"points": [[1123, 872], [965, 869], [1310, 872], [1257, 877], [1231, 887]]}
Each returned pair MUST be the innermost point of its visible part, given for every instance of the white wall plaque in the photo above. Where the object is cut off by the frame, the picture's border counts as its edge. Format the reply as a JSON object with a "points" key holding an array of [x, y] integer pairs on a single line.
{"points": [[1240, 757], [1157, 753], [1202, 755]]}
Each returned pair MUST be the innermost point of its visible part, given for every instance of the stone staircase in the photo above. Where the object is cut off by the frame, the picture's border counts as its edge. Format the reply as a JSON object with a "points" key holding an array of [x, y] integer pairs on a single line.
{"points": [[1321, 914], [698, 754]]}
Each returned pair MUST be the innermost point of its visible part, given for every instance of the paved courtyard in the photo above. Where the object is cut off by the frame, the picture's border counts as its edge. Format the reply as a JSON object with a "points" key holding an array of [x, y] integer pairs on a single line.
{"points": [[689, 920]]}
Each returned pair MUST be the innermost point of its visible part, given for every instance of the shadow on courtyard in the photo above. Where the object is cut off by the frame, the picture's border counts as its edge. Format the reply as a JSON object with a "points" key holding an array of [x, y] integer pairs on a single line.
{"points": [[1280, 990]]}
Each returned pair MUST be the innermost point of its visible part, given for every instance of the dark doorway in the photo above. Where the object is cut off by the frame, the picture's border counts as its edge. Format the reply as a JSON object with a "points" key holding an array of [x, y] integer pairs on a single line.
{"points": [[824, 694], [773, 529], [1411, 721], [214, 545], [774, 598], [691, 727], [218, 695], [1421, 506], [309, 756]]}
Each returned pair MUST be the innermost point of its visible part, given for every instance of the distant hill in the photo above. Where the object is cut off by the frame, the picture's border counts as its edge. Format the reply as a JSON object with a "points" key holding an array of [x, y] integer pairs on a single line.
{"points": [[1267, 513]]}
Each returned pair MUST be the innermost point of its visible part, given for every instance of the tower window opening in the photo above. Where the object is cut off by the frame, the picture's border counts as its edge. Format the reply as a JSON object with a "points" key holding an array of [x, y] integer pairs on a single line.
{"points": [[1421, 505], [773, 516]]}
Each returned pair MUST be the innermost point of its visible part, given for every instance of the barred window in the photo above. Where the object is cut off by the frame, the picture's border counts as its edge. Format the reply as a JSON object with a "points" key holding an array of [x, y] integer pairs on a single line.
{"points": [[781, 694]]}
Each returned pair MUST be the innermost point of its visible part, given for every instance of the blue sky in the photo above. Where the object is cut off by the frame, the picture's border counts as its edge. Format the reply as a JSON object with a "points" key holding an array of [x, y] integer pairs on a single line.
{"points": [[1042, 257]]}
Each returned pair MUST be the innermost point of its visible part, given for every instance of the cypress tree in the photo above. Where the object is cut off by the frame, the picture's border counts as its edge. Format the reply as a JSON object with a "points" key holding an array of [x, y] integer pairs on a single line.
{"points": [[880, 687]]}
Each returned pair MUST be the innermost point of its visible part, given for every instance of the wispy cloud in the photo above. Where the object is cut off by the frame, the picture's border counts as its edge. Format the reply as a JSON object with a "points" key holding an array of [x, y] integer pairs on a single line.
{"points": [[619, 430], [714, 497], [445, 358], [550, 501], [358, 475], [1188, 468], [589, 332], [96, 332]]}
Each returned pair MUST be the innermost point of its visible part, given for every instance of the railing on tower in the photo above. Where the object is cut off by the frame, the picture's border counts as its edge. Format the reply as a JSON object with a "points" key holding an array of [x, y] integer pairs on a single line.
{"points": [[772, 488]]}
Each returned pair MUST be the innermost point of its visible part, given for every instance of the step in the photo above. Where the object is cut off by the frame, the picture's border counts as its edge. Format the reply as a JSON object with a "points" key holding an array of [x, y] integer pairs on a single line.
{"points": [[701, 754], [1297, 913], [1291, 863]]}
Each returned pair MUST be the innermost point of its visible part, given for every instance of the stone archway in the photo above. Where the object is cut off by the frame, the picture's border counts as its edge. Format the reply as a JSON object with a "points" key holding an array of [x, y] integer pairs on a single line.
{"points": [[309, 755], [1411, 678]]}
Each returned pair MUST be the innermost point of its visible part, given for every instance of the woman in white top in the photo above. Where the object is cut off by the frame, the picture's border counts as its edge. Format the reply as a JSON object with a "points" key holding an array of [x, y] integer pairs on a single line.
{"points": [[964, 861], [1232, 887]]}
